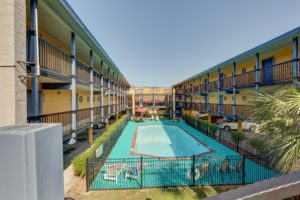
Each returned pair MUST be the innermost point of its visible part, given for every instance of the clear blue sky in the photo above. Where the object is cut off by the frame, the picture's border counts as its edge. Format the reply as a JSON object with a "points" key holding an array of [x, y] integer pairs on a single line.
{"points": [[162, 42]]}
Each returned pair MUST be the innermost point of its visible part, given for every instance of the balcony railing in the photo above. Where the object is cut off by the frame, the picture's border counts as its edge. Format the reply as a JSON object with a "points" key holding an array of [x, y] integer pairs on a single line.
{"points": [[243, 111], [97, 113], [226, 83], [179, 91], [196, 89], [96, 77], [105, 111], [227, 109], [65, 118], [203, 107], [54, 58], [203, 88], [245, 79], [83, 117], [196, 106], [213, 108], [279, 72], [83, 72], [213, 86]]}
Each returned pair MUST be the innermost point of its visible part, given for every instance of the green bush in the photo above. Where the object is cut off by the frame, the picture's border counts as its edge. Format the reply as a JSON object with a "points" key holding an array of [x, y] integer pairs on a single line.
{"points": [[237, 136], [79, 162], [213, 128], [257, 144]]}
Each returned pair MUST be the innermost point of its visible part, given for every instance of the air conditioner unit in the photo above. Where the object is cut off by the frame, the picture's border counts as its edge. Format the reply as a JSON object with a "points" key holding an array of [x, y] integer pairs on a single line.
{"points": [[31, 162]]}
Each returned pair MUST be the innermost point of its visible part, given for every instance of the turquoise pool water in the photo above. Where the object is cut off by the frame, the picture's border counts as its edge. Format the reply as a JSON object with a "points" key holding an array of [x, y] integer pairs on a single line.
{"points": [[166, 141]]}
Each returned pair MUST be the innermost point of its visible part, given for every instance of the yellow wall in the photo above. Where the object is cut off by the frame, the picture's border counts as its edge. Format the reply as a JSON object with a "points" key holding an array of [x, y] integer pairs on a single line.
{"points": [[248, 65], [85, 103], [213, 98], [54, 101]]}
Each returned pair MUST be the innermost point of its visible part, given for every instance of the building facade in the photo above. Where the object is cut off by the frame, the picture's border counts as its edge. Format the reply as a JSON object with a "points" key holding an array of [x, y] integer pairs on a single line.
{"points": [[227, 89], [55, 71], [157, 100]]}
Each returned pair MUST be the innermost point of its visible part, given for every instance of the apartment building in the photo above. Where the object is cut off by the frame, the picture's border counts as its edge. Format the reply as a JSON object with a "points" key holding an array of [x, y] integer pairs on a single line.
{"points": [[227, 89], [157, 100], [54, 70]]}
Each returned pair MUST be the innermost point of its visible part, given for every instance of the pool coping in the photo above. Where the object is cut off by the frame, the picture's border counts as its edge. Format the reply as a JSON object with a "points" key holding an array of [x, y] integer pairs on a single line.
{"points": [[132, 148]]}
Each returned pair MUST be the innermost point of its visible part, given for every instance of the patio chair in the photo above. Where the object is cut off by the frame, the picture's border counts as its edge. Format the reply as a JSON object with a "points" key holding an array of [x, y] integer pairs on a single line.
{"points": [[223, 169], [133, 172], [205, 170], [237, 168], [113, 170]]}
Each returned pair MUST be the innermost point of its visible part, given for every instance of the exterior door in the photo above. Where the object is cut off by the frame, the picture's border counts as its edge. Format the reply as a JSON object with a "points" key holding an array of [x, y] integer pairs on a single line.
{"points": [[267, 70]]}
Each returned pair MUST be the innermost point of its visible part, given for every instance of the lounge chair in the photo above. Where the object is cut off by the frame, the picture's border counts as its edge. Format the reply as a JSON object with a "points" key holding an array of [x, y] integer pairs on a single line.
{"points": [[223, 169], [113, 170], [152, 117], [237, 168], [133, 172], [201, 170]]}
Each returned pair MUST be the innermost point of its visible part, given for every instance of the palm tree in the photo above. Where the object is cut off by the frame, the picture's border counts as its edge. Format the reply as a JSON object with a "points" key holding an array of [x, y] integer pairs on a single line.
{"points": [[278, 116]]}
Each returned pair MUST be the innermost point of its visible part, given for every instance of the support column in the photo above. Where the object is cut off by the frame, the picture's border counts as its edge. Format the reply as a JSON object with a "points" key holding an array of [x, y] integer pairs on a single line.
{"points": [[114, 98], [199, 95], [33, 53], [192, 95], [108, 101], [257, 73], [234, 90], [295, 61], [102, 93], [133, 101], [207, 96], [174, 101], [90, 130], [73, 87], [219, 94]]}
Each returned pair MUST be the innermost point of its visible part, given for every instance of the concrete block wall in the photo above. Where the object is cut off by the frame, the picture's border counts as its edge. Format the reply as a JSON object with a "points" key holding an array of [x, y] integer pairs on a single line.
{"points": [[12, 49]]}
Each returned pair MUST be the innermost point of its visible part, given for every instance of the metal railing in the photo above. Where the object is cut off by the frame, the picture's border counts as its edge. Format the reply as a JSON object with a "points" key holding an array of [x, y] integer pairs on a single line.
{"points": [[95, 162], [243, 111], [213, 108], [227, 109], [83, 72], [213, 86], [226, 83], [54, 58], [65, 118], [203, 88], [245, 79], [83, 117], [96, 77]]}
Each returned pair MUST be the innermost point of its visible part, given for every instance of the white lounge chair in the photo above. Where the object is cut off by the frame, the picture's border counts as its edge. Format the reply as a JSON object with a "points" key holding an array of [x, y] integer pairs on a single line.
{"points": [[113, 170], [133, 172]]}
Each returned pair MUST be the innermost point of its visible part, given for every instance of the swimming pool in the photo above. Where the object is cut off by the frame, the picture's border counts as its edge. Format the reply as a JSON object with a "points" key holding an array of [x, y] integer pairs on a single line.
{"points": [[159, 140], [164, 141]]}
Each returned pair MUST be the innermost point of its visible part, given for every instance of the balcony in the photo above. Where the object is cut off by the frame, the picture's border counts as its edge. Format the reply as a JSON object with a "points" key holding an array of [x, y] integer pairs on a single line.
{"points": [[96, 113], [213, 108], [196, 89], [54, 59], [97, 80], [65, 118], [203, 107], [196, 106], [243, 111], [213, 86], [281, 72], [246, 79], [179, 91], [227, 110], [83, 72], [83, 118], [203, 88], [226, 83]]}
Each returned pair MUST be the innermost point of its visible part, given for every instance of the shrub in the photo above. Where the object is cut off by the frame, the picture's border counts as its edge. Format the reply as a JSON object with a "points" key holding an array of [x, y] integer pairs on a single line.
{"points": [[257, 144], [237, 136], [213, 128], [79, 162]]}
